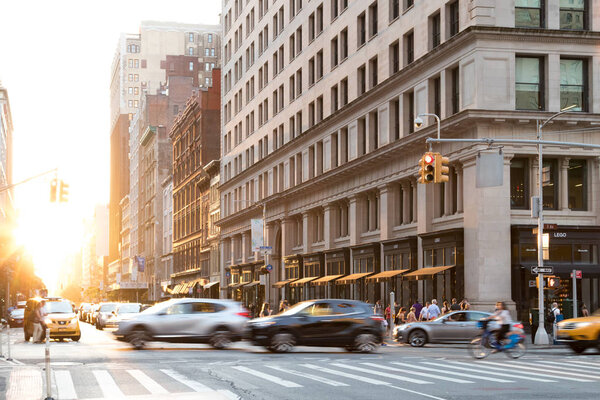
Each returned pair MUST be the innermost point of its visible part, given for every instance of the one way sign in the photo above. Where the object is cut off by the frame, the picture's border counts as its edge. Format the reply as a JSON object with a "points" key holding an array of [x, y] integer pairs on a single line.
{"points": [[542, 270]]}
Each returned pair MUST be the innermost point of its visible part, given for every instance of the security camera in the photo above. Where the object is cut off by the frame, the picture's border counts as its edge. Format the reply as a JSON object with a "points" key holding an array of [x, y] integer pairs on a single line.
{"points": [[418, 122]]}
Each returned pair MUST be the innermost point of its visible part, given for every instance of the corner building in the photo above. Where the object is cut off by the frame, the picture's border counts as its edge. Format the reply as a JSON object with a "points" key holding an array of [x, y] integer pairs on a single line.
{"points": [[319, 99]]}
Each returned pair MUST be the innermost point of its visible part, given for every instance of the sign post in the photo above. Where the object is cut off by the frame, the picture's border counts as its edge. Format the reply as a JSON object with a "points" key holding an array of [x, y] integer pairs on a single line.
{"points": [[575, 275], [392, 313]]}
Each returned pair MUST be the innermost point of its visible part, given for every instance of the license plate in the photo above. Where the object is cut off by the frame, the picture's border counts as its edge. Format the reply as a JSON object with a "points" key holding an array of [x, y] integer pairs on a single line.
{"points": [[62, 329]]}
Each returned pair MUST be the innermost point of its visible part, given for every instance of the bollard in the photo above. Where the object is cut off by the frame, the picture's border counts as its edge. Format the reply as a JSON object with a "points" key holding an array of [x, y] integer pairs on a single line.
{"points": [[8, 357], [48, 372], [392, 314], [1, 339]]}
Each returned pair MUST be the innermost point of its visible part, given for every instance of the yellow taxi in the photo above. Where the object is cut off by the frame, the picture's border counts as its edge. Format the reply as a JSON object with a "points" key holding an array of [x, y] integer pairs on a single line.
{"points": [[580, 333], [61, 318]]}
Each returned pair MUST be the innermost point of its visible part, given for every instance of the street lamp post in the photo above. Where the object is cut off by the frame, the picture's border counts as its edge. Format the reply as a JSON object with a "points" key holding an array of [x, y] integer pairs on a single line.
{"points": [[419, 123], [541, 336]]}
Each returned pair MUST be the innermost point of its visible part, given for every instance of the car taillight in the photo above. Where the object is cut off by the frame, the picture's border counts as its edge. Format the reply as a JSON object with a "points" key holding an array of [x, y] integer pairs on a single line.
{"points": [[518, 326], [243, 313], [377, 318]]}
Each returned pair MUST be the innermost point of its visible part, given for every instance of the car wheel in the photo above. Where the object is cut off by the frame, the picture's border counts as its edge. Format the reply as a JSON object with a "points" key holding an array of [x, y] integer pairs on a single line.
{"points": [[365, 343], [138, 338], [220, 339], [76, 338], [577, 347], [417, 338], [282, 342]]}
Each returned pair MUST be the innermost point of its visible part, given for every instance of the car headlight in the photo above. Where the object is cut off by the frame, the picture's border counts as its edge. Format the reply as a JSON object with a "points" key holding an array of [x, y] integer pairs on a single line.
{"points": [[74, 320], [582, 324], [48, 321]]}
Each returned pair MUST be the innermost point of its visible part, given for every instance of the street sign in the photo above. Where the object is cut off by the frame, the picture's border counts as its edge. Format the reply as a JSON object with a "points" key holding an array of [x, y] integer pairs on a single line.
{"points": [[532, 283], [578, 274], [227, 274], [266, 249], [542, 270], [269, 267]]}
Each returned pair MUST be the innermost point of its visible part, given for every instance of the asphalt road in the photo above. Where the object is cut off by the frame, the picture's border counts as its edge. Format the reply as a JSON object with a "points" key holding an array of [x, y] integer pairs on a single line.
{"points": [[98, 367]]}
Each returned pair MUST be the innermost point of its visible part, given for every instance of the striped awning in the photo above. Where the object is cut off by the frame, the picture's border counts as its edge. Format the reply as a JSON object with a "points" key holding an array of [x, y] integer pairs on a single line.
{"points": [[352, 278], [425, 272], [302, 281], [386, 275], [281, 284], [325, 280]]}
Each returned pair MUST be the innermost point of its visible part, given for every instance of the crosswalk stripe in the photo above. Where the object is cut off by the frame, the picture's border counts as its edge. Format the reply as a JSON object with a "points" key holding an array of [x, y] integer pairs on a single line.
{"points": [[442, 378], [557, 370], [568, 363], [64, 384], [479, 365], [230, 395], [345, 374], [594, 365], [270, 378], [308, 376], [107, 384], [194, 385], [147, 382], [485, 378], [383, 374], [514, 365], [488, 372]]}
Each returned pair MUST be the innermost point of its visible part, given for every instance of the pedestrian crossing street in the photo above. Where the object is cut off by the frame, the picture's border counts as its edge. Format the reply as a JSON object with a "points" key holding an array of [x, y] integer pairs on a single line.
{"points": [[223, 381]]}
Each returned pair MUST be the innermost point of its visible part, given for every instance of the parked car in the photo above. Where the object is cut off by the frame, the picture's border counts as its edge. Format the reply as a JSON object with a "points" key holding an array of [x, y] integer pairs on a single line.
{"points": [[123, 311], [83, 309], [16, 317], [580, 333], [217, 322], [458, 326], [92, 314], [60, 319], [105, 312], [334, 323]]}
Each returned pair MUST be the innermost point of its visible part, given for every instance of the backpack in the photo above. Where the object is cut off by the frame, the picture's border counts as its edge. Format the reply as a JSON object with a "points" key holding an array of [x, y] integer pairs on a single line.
{"points": [[550, 317]]}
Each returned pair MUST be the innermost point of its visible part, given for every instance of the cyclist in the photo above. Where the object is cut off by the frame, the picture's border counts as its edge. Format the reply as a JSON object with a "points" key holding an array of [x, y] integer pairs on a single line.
{"points": [[502, 315]]}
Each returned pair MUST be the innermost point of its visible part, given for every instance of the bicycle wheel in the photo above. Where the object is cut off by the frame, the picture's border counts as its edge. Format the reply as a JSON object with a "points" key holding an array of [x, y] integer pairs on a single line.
{"points": [[478, 348], [518, 351]]}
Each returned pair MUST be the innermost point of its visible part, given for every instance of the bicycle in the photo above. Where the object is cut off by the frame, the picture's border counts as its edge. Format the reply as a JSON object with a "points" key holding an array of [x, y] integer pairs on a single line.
{"points": [[482, 345]]}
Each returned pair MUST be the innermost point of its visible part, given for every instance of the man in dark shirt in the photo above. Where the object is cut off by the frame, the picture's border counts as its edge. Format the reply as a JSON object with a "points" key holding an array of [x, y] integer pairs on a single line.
{"points": [[418, 306], [454, 306]]}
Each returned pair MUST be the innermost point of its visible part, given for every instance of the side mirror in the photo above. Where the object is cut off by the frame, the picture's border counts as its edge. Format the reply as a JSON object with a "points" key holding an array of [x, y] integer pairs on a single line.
{"points": [[444, 320]]}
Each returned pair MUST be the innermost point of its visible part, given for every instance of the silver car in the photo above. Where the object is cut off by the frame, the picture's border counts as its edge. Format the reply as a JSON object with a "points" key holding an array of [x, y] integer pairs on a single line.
{"points": [[217, 322], [105, 312], [458, 326], [123, 311]]}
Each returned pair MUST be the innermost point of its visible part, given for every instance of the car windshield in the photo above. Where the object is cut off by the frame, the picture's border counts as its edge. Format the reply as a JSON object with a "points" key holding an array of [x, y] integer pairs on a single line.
{"points": [[129, 308], [297, 308], [157, 308], [19, 312], [108, 308], [58, 307]]}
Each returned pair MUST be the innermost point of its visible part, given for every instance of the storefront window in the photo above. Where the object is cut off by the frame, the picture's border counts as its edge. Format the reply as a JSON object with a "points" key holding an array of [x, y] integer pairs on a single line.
{"points": [[406, 260], [529, 83], [528, 253], [550, 184], [560, 253], [518, 183], [235, 277], [246, 276], [363, 265], [292, 271], [393, 261], [335, 267], [585, 254], [312, 269], [449, 256], [577, 186], [529, 13], [427, 258], [438, 257]]}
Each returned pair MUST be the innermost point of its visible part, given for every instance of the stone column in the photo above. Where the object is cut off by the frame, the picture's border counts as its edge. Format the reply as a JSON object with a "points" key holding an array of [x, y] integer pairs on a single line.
{"points": [[405, 212], [222, 277], [448, 198], [306, 235], [414, 185], [459, 188], [373, 212], [534, 179], [386, 211], [244, 245], [328, 224], [353, 223], [563, 184]]}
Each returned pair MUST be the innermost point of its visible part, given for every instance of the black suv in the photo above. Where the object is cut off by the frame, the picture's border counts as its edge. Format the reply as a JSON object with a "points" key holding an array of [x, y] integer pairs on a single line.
{"points": [[329, 322]]}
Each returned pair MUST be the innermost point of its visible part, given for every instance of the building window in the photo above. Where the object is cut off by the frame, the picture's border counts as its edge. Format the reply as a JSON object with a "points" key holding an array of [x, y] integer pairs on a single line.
{"points": [[395, 9], [191, 65], [529, 83], [519, 195], [191, 37], [191, 51], [573, 14], [550, 184], [529, 13], [453, 18], [320, 64], [577, 187], [361, 27], [409, 45], [130, 90], [361, 75], [210, 38], [334, 52], [435, 29], [344, 92], [410, 107], [334, 9], [408, 4], [373, 67], [573, 84], [437, 96], [373, 20], [394, 57], [212, 52]]}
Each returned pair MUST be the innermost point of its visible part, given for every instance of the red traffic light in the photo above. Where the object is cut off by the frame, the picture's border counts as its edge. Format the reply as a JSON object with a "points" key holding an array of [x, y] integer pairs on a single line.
{"points": [[428, 158]]}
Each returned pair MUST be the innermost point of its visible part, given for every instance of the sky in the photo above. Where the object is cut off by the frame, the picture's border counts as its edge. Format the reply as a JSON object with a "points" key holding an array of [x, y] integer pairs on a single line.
{"points": [[55, 62]]}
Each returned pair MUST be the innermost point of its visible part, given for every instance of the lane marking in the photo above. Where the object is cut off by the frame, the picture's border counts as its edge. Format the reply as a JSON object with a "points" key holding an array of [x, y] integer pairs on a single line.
{"points": [[485, 378], [384, 374], [489, 372], [442, 378], [345, 374], [308, 376], [557, 370], [521, 372], [230, 395], [107, 384], [510, 365], [152, 386], [64, 384], [419, 393], [581, 364], [270, 378], [194, 385]]}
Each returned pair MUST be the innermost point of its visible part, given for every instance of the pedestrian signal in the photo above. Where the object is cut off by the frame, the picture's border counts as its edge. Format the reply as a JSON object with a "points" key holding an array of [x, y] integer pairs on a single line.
{"points": [[427, 168]]}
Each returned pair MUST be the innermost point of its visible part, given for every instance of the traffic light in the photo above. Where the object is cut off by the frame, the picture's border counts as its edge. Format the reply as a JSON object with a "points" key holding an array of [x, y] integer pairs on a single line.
{"points": [[64, 192], [441, 168], [427, 168], [53, 189], [553, 282]]}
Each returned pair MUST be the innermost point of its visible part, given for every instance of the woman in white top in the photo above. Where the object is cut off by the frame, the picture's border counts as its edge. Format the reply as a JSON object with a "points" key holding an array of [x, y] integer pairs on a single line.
{"points": [[502, 315]]}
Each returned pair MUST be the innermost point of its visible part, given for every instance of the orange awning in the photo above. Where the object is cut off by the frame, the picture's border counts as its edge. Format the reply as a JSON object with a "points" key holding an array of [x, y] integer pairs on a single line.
{"points": [[281, 284], [302, 281], [423, 272], [325, 280], [251, 284], [386, 274], [352, 278]]}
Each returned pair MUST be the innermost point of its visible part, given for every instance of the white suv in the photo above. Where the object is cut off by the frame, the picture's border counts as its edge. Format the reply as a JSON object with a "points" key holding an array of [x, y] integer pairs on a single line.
{"points": [[217, 322]]}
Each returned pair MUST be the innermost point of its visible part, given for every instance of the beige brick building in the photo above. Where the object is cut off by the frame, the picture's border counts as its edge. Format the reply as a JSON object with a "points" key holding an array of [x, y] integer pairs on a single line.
{"points": [[319, 99]]}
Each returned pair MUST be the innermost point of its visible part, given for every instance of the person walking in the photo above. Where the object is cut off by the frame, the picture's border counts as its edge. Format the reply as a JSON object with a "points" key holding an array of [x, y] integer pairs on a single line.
{"points": [[388, 314], [411, 316], [554, 318], [424, 314], [401, 316], [584, 311], [39, 323], [265, 310], [418, 306], [377, 309], [454, 306], [433, 310], [464, 305], [445, 307]]}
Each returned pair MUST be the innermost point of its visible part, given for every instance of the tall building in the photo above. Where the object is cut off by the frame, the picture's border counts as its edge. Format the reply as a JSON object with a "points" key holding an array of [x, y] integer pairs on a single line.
{"points": [[139, 67], [195, 147], [6, 132], [319, 99]]}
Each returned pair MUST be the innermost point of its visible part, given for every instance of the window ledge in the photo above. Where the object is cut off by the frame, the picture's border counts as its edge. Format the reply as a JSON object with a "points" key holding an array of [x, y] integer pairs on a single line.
{"points": [[361, 45], [408, 9], [372, 36], [394, 20], [298, 248], [342, 239]]}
